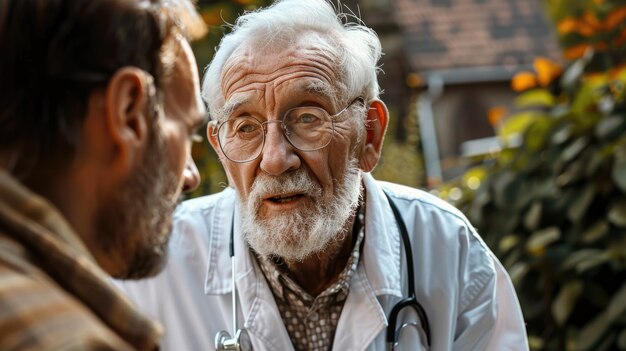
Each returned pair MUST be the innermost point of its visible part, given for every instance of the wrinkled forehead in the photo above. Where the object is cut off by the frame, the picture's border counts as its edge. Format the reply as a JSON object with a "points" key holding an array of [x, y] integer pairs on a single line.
{"points": [[309, 61]]}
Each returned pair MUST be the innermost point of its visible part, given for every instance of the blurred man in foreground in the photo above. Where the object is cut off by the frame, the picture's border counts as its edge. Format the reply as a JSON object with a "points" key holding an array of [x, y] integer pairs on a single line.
{"points": [[322, 251], [98, 101]]}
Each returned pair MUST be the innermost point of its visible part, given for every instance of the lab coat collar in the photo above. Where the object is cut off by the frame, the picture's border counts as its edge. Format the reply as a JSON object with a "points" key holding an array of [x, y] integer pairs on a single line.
{"points": [[381, 250]]}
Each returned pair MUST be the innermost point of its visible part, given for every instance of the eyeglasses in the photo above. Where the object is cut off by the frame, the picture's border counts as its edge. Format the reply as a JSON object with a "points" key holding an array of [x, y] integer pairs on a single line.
{"points": [[306, 128]]}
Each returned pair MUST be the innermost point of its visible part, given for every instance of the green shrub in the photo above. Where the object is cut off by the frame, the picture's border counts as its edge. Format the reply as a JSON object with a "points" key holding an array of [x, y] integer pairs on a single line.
{"points": [[553, 209]]}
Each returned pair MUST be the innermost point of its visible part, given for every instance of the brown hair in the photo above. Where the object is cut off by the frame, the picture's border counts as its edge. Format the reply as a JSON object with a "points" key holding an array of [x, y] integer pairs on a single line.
{"points": [[54, 53]]}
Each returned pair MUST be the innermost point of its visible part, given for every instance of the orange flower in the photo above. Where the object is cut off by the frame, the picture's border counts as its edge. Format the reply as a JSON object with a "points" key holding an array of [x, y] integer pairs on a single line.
{"points": [[567, 25], [546, 70], [576, 51], [586, 25], [590, 19], [523, 81], [495, 115], [615, 18]]}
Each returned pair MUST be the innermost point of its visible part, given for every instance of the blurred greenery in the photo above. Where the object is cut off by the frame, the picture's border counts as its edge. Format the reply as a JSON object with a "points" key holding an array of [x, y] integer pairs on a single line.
{"points": [[554, 208], [401, 161]]}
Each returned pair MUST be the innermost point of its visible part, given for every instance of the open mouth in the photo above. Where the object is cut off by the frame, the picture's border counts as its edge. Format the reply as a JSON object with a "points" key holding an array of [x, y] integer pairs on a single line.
{"points": [[280, 199]]}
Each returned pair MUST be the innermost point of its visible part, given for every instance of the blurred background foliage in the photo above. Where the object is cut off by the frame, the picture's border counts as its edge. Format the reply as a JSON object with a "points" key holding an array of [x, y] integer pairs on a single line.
{"points": [[401, 161], [552, 202]]}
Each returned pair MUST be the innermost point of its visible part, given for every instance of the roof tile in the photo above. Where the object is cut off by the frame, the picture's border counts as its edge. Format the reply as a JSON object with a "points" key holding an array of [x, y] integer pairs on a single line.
{"points": [[442, 34]]}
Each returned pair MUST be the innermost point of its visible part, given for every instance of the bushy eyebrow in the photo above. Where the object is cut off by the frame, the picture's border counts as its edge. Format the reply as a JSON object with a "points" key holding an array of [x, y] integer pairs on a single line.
{"points": [[321, 89], [230, 106]]}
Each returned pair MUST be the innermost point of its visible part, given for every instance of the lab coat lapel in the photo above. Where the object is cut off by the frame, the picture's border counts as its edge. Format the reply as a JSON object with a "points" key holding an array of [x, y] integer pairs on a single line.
{"points": [[262, 318], [381, 248], [378, 276], [362, 317], [218, 224]]}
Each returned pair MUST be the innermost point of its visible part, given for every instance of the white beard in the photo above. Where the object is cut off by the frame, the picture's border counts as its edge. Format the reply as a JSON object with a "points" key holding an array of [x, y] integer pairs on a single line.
{"points": [[296, 235]]}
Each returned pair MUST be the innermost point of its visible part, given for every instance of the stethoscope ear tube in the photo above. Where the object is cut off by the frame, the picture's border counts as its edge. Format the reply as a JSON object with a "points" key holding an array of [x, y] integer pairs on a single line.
{"points": [[241, 340]]}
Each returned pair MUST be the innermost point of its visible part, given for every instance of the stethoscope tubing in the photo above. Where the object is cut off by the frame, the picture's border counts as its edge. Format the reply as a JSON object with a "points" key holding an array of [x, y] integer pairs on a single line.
{"points": [[411, 299]]}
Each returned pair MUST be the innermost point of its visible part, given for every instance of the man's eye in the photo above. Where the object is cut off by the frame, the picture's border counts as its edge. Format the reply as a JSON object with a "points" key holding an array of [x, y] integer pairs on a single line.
{"points": [[247, 127], [307, 118]]}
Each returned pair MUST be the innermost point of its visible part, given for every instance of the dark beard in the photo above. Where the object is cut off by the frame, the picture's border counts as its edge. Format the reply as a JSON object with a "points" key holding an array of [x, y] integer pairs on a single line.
{"points": [[135, 226]]}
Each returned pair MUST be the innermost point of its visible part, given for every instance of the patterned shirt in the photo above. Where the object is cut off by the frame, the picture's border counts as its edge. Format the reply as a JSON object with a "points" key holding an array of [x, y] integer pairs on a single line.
{"points": [[311, 321], [53, 295]]}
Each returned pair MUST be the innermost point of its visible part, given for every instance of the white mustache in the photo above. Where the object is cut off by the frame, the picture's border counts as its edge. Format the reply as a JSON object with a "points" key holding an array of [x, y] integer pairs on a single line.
{"points": [[298, 182]]}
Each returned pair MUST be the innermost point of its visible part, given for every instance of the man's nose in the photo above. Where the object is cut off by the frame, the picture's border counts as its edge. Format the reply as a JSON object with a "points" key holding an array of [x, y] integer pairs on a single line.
{"points": [[278, 155], [191, 176]]}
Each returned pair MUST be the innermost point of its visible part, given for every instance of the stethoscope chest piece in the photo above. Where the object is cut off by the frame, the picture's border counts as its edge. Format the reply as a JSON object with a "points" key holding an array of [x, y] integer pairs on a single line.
{"points": [[241, 341]]}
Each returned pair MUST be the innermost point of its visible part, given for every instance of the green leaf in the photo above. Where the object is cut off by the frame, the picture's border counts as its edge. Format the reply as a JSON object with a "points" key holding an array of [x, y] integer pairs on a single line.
{"points": [[501, 186], [584, 259], [542, 238], [621, 340], [562, 133], [617, 306], [536, 134], [595, 232], [535, 342], [517, 272], [619, 171], [584, 101], [572, 75], [572, 173], [592, 262], [508, 242], [544, 188], [590, 334], [566, 299], [532, 217], [517, 124], [574, 149], [617, 213], [535, 98], [597, 159], [577, 210]]}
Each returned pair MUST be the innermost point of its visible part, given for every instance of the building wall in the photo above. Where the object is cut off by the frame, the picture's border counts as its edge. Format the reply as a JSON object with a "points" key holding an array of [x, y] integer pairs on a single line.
{"points": [[461, 114]]}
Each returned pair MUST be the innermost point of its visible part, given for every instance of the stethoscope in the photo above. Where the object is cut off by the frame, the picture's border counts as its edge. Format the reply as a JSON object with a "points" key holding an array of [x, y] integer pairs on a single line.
{"points": [[410, 301], [241, 340]]}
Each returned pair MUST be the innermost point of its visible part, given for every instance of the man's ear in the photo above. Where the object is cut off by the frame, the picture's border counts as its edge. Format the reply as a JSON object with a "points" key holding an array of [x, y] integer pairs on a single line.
{"points": [[127, 98], [211, 134], [375, 127]]}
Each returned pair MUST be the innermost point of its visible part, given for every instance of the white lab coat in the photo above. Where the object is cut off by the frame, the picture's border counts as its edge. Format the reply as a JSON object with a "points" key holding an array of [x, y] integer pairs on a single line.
{"points": [[468, 296]]}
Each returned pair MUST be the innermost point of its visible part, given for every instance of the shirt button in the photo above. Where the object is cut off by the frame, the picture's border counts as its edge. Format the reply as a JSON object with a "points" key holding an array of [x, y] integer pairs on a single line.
{"points": [[313, 316]]}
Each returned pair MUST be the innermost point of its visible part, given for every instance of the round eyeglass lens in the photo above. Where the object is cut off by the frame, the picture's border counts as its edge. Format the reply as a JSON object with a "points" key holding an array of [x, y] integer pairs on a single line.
{"points": [[241, 138], [308, 128]]}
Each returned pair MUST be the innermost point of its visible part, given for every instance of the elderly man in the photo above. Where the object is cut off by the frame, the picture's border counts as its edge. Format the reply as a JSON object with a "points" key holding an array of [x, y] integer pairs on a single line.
{"points": [[325, 257], [98, 101]]}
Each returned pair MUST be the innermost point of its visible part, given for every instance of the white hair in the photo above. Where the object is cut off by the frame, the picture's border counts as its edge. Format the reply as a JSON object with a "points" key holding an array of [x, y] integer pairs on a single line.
{"points": [[355, 48]]}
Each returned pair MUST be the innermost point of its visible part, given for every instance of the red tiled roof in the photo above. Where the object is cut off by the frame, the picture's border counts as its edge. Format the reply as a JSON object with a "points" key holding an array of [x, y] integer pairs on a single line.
{"points": [[457, 34]]}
